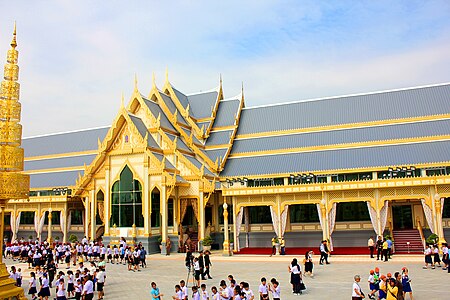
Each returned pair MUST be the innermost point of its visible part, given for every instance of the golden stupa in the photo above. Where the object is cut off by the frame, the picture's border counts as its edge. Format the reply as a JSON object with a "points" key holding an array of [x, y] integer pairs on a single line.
{"points": [[13, 184]]}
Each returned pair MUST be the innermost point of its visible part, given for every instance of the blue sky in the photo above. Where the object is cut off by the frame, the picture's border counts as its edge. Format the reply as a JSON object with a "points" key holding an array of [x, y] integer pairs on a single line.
{"points": [[77, 57]]}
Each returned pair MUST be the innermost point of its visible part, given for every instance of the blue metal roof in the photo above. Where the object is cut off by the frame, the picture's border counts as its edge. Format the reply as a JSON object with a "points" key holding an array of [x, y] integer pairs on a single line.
{"points": [[76, 141], [55, 179], [226, 113], [182, 97], [143, 131], [156, 110], [424, 101], [202, 104], [367, 157], [352, 135], [216, 153], [219, 137]]}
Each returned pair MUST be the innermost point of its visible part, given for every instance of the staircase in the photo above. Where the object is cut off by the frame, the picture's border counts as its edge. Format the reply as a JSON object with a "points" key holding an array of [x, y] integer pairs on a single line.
{"points": [[401, 239]]}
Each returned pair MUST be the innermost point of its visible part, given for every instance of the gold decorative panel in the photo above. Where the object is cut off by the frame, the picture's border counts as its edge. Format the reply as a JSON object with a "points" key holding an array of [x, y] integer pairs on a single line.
{"points": [[11, 158]]}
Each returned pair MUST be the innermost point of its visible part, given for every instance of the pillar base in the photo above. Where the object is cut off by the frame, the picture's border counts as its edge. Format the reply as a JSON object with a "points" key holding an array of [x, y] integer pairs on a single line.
{"points": [[163, 248], [226, 249], [7, 288]]}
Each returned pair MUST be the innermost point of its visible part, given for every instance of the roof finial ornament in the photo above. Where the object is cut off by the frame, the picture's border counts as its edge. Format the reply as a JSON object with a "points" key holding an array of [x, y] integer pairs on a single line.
{"points": [[122, 101], [135, 81], [14, 41], [153, 80], [167, 74]]}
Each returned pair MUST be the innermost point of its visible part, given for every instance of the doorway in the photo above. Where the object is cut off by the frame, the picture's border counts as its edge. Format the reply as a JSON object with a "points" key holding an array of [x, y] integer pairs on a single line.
{"points": [[402, 217]]}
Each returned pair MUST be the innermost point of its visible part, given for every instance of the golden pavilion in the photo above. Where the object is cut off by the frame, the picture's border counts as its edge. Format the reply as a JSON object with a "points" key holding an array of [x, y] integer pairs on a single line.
{"points": [[190, 165]]}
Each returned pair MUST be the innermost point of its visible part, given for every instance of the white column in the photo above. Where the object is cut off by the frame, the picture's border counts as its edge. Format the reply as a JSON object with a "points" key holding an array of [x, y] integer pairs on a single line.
{"points": [[93, 214], [146, 201], [163, 209], [107, 202], [235, 245], [201, 214]]}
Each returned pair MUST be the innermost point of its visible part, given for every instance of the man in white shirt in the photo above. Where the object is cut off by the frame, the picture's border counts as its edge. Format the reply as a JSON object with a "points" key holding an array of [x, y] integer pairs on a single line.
{"points": [[356, 289], [371, 245]]}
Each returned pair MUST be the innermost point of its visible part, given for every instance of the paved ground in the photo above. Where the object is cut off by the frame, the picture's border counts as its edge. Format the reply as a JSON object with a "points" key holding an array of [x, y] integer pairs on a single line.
{"points": [[330, 281]]}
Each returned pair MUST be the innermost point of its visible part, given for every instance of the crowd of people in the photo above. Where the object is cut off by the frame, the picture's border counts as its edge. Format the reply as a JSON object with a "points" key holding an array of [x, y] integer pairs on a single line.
{"points": [[79, 281], [433, 258], [384, 286], [383, 246], [226, 289]]}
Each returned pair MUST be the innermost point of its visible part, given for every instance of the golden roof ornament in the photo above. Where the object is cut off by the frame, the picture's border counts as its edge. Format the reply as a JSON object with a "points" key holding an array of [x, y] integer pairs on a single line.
{"points": [[15, 185]]}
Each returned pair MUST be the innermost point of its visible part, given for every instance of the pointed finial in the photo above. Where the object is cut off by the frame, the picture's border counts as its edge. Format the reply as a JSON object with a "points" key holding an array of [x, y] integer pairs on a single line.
{"points": [[122, 101], [99, 143], [167, 74], [153, 80], [220, 77], [14, 41], [135, 81]]}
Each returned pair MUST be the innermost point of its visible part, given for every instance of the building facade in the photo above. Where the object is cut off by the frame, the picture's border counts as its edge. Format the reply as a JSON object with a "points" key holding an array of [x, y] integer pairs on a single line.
{"points": [[339, 168]]}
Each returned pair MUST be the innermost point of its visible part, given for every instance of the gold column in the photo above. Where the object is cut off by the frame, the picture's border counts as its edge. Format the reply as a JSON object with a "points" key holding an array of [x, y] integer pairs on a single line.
{"points": [[15, 185], [226, 238]]}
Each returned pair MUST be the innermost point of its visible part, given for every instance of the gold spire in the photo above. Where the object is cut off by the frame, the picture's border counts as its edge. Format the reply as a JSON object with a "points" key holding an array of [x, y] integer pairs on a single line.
{"points": [[15, 185], [14, 41], [135, 81], [167, 74]]}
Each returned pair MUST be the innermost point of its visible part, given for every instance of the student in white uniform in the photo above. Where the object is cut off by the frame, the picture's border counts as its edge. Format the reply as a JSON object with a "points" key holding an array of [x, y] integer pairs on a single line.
{"points": [[204, 293], [263, 290], [101, 277], [178, 293], [248, 292], [275, 290], [61, 292], [214, 294], [195, 293], [184, 290], [88, 288], [32, 286]]}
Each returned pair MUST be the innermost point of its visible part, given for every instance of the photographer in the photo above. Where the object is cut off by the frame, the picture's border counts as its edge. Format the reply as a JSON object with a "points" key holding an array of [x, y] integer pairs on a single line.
{"points": [[189, 258]]}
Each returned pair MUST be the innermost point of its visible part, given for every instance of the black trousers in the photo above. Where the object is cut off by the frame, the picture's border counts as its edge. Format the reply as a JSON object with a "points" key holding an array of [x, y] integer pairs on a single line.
{"points": [[379, 253], [323, 257], [206, 272], [371, 248], [385, 254]]}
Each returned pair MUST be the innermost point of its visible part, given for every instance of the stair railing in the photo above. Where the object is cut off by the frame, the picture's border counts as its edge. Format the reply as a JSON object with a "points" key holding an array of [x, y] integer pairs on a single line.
{"points": [[422, 237], [391, 233]]}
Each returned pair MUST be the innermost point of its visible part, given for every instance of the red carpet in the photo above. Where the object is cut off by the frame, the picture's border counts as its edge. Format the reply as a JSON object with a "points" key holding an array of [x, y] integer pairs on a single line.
{"points": [[302, 251]]}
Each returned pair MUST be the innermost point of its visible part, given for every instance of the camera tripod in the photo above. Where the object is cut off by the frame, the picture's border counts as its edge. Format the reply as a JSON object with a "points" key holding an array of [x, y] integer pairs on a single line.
{"points": [[190, 273]]}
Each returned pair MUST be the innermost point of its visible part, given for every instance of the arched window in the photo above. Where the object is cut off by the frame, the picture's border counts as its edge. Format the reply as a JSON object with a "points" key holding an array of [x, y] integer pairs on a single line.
{"points": [[126, 197]]}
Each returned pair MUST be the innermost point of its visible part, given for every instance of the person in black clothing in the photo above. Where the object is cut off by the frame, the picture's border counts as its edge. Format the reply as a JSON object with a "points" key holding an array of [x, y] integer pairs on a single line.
{"points": [[208, 264], [189, 258], [324, 252], [379, 248], [51, 270], [201, 263]]}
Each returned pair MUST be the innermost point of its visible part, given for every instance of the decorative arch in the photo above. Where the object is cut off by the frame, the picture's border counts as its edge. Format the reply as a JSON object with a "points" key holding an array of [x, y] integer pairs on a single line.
{"points": [[155, 196], [126, 200]]}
